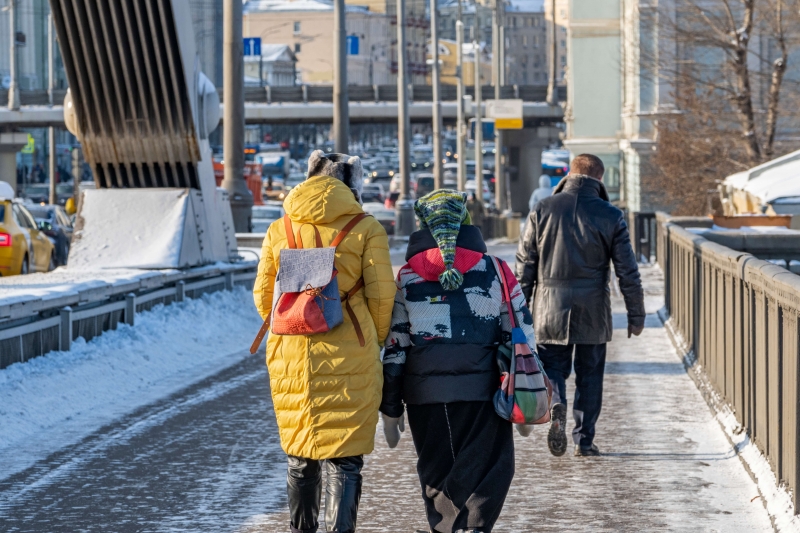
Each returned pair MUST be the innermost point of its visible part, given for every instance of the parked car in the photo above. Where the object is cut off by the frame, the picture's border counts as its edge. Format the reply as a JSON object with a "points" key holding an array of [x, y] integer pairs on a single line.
{"points": [[54, 222], [264, 215], [23, 247], [373, 192], [382, 214]]}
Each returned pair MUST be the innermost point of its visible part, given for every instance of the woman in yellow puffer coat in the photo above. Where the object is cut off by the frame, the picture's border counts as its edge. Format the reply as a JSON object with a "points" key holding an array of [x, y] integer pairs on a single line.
{"points": [[326, 388]]}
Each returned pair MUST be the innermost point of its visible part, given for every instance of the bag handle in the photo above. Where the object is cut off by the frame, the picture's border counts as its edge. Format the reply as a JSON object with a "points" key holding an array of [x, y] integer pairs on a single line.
{"points": [[316, 235], [504, 284], [287, 222]]}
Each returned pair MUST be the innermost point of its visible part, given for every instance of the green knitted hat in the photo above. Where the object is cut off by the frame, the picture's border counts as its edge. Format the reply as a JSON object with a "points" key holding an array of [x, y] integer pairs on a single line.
{"points": [[442, 212]]}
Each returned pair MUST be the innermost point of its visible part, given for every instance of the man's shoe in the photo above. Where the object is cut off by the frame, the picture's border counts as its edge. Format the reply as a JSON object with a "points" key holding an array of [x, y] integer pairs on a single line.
{"points": [[592, 451], [557, 436]]}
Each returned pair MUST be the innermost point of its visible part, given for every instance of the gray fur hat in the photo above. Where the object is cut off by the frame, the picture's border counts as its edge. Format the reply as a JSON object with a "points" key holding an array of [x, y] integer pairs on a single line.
{"points": [[343, 167]]}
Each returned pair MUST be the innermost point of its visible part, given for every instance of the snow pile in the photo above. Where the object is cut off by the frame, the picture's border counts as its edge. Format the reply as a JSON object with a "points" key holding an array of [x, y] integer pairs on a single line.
{"points": [[777, 498], [55, 400]]}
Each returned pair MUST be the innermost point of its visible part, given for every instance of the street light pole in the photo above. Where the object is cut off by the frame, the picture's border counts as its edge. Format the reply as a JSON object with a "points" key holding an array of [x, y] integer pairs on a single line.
{"points": [[497, 55], [437, 104], [552, 97], [478, 115], [461, 149], [51, 131], [241, 198], [13, 89], [341, 118], [404, 216]]}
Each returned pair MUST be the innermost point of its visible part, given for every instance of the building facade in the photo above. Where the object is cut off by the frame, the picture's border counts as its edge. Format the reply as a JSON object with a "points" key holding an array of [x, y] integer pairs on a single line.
{"points": [[526, 47], [274, 67], [562, 18], [307, 27]]}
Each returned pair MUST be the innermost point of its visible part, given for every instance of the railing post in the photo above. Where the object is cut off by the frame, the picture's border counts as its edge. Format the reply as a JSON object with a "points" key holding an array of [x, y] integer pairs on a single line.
{"points": [[305, 93], [516, 91], [228, 281], [180, 291], [65, 340], [410, 92], [377, 93], [130, 308], [268, 90]]}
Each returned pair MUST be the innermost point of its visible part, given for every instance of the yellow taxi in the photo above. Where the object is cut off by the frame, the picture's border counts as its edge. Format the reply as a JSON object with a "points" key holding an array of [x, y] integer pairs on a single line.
{"points": [[23, 247]]}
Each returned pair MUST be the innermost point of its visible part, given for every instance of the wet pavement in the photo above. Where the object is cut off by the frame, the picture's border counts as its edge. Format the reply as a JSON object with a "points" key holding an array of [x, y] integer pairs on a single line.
{"points": [[208, 460]]}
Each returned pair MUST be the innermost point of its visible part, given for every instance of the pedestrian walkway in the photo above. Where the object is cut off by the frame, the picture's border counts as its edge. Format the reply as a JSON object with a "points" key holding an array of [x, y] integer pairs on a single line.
{"points": [[667, 465]]}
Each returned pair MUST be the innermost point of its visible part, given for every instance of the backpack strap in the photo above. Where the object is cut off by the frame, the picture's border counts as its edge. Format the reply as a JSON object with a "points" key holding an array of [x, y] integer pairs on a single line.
{"points": [[348, 227], [261, 334], [287, 224], [352, 292]]}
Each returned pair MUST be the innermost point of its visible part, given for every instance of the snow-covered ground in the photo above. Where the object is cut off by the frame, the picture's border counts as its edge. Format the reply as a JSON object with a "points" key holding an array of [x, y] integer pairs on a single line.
{"points": [[53, 401]]}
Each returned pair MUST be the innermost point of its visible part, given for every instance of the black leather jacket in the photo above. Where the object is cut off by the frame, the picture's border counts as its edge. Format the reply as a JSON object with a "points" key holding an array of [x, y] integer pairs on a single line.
{"points": [[565, 254]]}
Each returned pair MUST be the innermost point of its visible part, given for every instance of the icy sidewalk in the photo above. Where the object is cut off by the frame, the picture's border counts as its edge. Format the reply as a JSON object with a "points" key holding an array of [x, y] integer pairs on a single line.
{"points": [[53, 401], [667, 464]]}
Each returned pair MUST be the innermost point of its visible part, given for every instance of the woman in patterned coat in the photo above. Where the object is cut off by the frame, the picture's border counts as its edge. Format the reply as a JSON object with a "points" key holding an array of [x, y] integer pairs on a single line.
{"points": [[440, 366]]}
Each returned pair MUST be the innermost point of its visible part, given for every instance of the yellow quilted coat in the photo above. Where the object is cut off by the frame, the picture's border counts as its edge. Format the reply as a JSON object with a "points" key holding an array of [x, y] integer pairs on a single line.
{"points": [[326, 388]]}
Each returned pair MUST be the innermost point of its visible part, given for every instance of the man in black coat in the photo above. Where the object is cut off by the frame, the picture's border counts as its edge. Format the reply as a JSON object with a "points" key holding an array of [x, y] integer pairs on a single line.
{"points": [[564, 256]]}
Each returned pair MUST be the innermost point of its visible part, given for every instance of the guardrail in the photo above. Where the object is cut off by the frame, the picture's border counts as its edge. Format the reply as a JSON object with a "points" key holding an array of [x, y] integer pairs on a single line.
{"points": [[53, 326], [737, 317], [324, 94]]}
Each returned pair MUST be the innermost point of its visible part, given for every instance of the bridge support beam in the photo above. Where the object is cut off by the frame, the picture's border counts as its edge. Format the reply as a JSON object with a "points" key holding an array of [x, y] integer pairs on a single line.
{"points": [[525, 148], [10, 144]]}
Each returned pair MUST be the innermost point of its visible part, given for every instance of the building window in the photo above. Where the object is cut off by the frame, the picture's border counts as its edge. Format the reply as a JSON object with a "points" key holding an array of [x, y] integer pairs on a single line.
{"points": [[296, 48], [563, 60], [297, 27], [525, 40], [536, 22], [563, 43]]}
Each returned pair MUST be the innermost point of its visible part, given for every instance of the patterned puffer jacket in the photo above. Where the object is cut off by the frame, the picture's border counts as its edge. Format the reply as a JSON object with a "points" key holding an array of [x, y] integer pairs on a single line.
{"points": [[442, 344]]}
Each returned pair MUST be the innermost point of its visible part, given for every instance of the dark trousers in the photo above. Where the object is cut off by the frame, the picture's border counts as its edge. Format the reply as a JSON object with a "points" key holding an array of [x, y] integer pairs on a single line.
{"points": [[465, 463], [342, 493], [590, 363]]}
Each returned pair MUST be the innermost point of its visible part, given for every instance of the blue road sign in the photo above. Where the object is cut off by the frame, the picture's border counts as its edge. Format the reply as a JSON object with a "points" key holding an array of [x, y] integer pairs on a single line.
{"points": [[252, 46], [352, 45]]}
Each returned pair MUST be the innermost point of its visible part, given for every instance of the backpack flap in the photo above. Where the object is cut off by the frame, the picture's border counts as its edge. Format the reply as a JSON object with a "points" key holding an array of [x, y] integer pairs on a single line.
{"points": [[301, 268]]}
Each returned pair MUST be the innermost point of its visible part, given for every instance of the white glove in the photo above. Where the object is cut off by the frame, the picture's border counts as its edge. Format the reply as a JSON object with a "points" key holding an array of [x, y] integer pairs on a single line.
{"points": [[392, 427], [524, 429]]}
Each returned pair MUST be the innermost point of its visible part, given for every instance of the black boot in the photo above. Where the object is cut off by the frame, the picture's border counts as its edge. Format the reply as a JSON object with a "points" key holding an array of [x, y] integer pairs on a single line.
{"points": [[343, 493], [304, 487]]}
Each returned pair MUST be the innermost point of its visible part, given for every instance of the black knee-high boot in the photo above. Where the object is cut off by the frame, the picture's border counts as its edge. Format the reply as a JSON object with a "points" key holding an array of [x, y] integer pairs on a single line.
{"points": [[343, 493], [304, 487]]}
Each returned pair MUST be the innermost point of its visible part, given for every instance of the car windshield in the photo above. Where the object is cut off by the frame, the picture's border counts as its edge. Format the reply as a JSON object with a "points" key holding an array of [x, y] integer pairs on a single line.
{"points": [[2, 213], [40, 212]]}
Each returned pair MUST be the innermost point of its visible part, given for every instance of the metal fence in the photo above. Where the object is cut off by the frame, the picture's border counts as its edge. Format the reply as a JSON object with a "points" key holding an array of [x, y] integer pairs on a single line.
{"points": [[324, 93], [738, 315], [54, 328]]}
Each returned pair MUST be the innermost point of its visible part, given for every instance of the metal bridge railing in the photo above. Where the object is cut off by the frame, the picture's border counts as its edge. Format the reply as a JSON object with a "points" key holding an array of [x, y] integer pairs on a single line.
{"points": [[738, 317], [54, 326], [324, 94]]}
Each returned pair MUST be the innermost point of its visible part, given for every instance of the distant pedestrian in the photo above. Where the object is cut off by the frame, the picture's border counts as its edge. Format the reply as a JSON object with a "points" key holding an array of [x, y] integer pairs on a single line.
{"points": [[440, 366], [477, 211], [545, 190], [326, 387], [563, 263]]}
